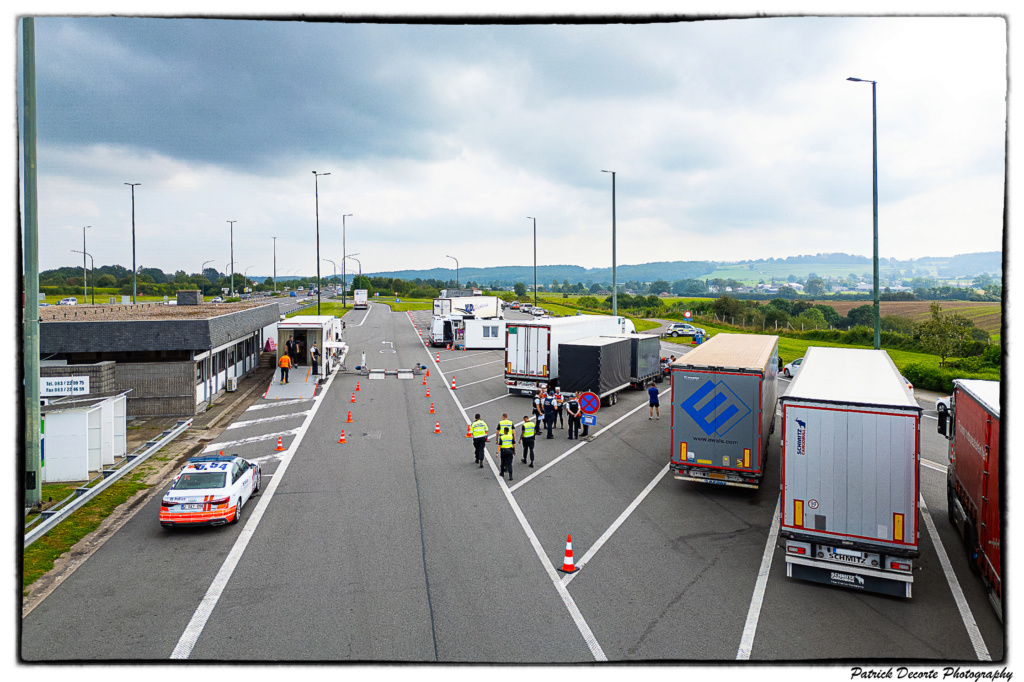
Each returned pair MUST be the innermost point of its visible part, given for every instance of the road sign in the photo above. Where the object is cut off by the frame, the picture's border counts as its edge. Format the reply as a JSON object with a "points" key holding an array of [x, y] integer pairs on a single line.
{"points": [[590, 420], [589, 402]]}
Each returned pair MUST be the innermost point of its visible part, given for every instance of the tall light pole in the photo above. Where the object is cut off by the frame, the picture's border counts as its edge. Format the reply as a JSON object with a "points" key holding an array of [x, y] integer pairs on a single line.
{"points": [[316, 192], [232, 223], [615, 289], [534, 259], [85, 274], [84, 254], [275, 264], [245, 278], [874, 198], [335, 275], [133, 185], [344, 279], [203, 269], [456, 270], [353, 257]]}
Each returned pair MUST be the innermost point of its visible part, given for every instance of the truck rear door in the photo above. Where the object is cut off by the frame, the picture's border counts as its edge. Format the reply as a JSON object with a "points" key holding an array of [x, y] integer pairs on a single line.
{"points": [[527, 351], [716, 419]]}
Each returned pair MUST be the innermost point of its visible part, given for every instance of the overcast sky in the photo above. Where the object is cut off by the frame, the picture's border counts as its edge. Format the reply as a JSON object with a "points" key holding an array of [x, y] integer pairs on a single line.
{"points": [[731, 139]]}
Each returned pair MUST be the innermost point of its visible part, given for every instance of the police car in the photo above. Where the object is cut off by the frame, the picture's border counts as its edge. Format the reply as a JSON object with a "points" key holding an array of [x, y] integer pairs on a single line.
{"points": [[210, 491]]}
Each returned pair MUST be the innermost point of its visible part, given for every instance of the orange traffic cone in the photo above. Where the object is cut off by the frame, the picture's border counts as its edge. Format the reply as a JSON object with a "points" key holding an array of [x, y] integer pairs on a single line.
{"points": [[567, 565], [469, 430], [222, 452], [424, 381], [437, 429], [353, 397], [427, 374], [431, 408], [428, 391], [342, 439], [437, 358], [449, 347], [349, 420], [357, 385], [280, 446], [453, 383]]}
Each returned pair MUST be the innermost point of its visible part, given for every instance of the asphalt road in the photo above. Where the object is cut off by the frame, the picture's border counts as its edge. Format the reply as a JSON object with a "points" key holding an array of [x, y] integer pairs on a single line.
{"points": [[395, 546]]}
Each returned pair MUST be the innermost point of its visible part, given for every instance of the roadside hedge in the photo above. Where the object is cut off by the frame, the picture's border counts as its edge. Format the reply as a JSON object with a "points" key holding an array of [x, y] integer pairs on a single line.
{"points": [[941, 378]]}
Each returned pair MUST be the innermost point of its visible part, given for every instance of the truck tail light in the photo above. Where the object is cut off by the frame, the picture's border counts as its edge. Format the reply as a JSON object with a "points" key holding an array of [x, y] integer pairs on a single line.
{"points": [[899, 565], [796, 550]]}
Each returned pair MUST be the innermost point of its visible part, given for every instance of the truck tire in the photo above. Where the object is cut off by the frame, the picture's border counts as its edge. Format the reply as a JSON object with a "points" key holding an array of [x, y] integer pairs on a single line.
{"points": [[658, 379], [615, 398], [971, 543]]}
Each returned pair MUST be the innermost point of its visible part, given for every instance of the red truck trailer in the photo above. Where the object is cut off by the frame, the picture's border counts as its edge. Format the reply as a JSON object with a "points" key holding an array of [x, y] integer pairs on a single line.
{"points": [[972, 478]]}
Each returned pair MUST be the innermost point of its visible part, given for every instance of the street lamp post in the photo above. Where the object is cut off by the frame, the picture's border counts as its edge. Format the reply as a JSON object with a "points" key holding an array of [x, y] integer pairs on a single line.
{"points": [[456, 270], [232, 223], [874, 199], [275, 264], [84, 254], [203, 268], [615, 289], [133, 185], [534, 259], [353, 257], [316, 192], [85, 274], [245, 278], [344, 253], [335, 275]]}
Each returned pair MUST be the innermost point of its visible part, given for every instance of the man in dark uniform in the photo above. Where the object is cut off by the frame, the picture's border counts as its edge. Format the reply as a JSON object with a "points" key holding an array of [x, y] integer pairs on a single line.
{"points": [[575, 415], [549, 413]]}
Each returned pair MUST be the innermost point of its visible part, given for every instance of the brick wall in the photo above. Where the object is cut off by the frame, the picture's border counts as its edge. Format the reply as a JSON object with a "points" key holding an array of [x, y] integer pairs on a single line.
{"points": [[158, 388], [190, 297], [101, 374]]}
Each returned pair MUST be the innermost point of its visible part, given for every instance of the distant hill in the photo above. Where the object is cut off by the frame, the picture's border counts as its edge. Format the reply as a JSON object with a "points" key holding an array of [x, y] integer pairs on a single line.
{"points": [[826, 265]]}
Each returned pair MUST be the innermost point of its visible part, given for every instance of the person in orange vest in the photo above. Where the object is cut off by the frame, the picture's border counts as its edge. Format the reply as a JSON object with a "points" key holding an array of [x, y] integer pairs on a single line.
{"points": [[285, 363]]}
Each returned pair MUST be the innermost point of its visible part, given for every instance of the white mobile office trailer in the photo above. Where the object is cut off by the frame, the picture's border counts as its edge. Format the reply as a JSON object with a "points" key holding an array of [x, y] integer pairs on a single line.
{"points": [[475, 334], [469, 306], [531, 347], [850, 472]]}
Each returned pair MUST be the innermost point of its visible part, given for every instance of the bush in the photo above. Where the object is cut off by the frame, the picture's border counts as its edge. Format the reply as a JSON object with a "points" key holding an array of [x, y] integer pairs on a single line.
{"points": [[941, 378], [993, 355]]}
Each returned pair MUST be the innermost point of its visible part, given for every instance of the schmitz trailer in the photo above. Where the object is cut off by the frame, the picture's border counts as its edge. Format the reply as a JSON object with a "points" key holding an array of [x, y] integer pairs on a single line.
{"points": [[472, 333], [972, 478], [723, 409], [644, 358], [598, 364], [531, 347], [851, 435], [359, 299], [480, 307]]}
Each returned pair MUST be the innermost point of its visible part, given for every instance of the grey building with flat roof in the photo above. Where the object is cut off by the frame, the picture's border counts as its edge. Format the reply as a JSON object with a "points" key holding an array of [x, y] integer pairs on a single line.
{"points": [[173, 359]]}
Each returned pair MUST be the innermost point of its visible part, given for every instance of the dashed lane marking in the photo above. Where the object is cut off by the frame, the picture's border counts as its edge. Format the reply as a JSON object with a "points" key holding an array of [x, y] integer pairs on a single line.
{"points": [[497, 376], [264, 420], [252, 439], [754, 612], [470, 407]]}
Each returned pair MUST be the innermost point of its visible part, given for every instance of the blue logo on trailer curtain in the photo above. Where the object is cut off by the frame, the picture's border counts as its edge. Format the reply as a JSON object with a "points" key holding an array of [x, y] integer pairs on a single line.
{"points": [[732, 411]]}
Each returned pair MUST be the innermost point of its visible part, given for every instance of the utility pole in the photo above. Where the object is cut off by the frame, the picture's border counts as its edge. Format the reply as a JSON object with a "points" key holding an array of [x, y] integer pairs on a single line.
{"points": [[534, 259], [232, 223], [85, 273], [615, 288], [33, 452], [275, 264], [133, 185]]}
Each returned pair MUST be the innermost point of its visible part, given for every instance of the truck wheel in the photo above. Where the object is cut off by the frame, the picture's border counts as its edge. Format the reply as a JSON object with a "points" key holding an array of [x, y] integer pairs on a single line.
{"points": [[658, 379], [615, 398]]}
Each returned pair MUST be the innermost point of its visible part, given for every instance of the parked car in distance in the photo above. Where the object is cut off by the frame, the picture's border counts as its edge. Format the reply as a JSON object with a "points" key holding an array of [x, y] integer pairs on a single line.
{"points": [[684, 329], [68, 301], [537, 312], [792, 368], [515, 305], [216, 299], [42, 303], [941, 404]]}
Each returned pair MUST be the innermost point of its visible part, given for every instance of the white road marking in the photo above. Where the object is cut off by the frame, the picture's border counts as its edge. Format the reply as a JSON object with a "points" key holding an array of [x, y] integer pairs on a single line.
{"points": [[980, 650], [581, 624], [754, 612], [462, 369], [466, 357], [264, 420], [369, 307], [581, 444], [253, 439], [497, 376], [278, 403], [932, 465], [188, 639], [615, 526], [486, 401]]}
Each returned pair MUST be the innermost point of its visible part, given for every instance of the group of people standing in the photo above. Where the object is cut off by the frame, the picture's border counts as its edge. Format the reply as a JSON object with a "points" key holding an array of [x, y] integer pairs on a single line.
{"points": [[551, 406]]}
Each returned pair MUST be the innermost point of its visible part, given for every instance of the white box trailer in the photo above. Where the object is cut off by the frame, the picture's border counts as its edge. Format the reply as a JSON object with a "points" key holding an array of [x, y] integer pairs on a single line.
{"points": [[477, 334], [531, 346], [723, 409], [307, 330], [469, 307], [851, 446]]}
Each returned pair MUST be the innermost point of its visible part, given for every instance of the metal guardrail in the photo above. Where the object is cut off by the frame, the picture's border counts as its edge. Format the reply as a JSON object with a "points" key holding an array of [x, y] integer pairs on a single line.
{"points": [[53, 516]]}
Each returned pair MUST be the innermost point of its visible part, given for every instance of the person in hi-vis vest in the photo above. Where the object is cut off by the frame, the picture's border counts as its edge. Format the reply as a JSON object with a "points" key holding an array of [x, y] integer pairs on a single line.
{"points": [[479, 431], [507, 443], [527, 437]]}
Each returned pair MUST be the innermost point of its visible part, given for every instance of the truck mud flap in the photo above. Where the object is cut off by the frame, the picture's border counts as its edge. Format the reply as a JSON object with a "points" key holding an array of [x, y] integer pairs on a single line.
{"points": [[867, 580]]}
